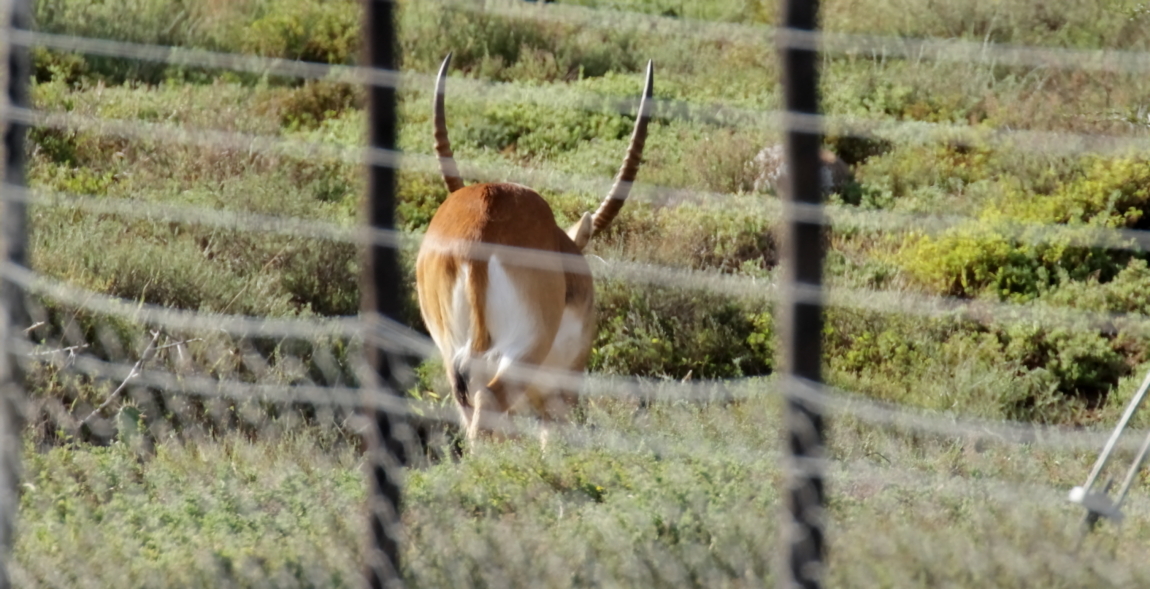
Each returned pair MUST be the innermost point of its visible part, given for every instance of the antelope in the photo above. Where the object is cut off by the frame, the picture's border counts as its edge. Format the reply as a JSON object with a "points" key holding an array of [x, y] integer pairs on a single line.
{"points": [[506, 294]]}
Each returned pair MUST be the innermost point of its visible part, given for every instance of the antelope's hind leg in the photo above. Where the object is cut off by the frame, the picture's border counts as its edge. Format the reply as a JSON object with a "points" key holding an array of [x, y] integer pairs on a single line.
{"points": [[458, 381]]}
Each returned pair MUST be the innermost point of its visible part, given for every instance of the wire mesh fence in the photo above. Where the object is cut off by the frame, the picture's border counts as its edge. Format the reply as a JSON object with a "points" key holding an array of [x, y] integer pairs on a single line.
{"points": [[204, 399]]}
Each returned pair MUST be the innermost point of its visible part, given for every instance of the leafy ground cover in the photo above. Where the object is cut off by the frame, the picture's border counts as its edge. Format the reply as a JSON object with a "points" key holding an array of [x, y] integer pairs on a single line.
{"points": [[673, 495]]}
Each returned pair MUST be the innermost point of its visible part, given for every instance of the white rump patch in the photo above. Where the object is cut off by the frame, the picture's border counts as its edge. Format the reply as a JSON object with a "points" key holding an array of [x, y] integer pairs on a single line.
{"points": [[510, 322]]}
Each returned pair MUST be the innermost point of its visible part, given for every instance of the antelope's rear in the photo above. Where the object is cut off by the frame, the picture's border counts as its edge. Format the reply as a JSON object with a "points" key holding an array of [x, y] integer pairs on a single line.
{"points": [[506, 293]]}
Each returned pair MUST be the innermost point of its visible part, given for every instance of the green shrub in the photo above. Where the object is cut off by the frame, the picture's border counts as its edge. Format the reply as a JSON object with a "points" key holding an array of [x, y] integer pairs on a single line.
{"points": [[70, 147], [419, 196], [1125, 293], [325, 32], [67, 68], [291, 29], [909, 170], [330, 178], [1112, 192], [656, 331], [85, 181], [322, 278], [1117, 401], [1083, 363], [315, 101], [735, 238], [722, 161], [510, 48], [987, 254], [159, 22], [194, 267], [1018, 22], [537, 130], [1013, 370], [882, 345]]}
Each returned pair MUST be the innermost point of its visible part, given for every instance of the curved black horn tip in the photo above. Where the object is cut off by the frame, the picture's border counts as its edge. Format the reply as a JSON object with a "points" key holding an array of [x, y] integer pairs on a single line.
{"points": [[648, 92], [443, 66], [648, 87]]}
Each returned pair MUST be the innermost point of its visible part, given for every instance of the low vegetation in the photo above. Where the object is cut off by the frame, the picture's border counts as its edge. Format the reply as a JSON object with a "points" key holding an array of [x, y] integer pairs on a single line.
{"points": [[672, 496]]}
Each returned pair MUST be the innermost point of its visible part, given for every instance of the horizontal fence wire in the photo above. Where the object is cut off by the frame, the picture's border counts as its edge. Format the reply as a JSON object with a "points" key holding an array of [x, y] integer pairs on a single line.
{"points": [[733, 285], [833, 400], [835, 216], [412, 343], [849, 217], [1039, 141], [743, 287], [913, 132], [831, 43], [827, 42]]}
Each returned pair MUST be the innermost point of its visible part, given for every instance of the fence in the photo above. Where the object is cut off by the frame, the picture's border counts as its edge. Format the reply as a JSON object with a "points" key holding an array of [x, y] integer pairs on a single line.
{"points": [[225, 436]]}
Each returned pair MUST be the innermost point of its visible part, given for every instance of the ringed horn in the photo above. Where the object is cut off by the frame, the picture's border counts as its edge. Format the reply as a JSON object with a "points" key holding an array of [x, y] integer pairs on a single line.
{"points": [[611, 205]]}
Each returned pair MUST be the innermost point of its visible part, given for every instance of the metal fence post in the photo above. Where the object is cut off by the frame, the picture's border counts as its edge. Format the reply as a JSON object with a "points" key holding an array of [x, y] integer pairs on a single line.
{"points": [[13, 245], [802, 315], [381, 298]]}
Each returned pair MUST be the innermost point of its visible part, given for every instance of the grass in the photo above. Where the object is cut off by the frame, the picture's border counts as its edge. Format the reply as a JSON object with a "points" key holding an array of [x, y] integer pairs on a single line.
{"points": [[671, 495], [192, 514], [254, 494]]}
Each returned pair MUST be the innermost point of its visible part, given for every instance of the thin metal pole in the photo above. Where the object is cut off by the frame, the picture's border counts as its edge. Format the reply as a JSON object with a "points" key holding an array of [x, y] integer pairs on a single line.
{"points": [[803, 539], [380, 297], [1127, 414], [1132, 474], [13, 249]]}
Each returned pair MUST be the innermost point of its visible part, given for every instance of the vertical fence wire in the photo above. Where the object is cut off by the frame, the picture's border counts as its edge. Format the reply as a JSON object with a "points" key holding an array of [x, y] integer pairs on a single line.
{"points": [[381, 298], [16, 14], [804, 494]]}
